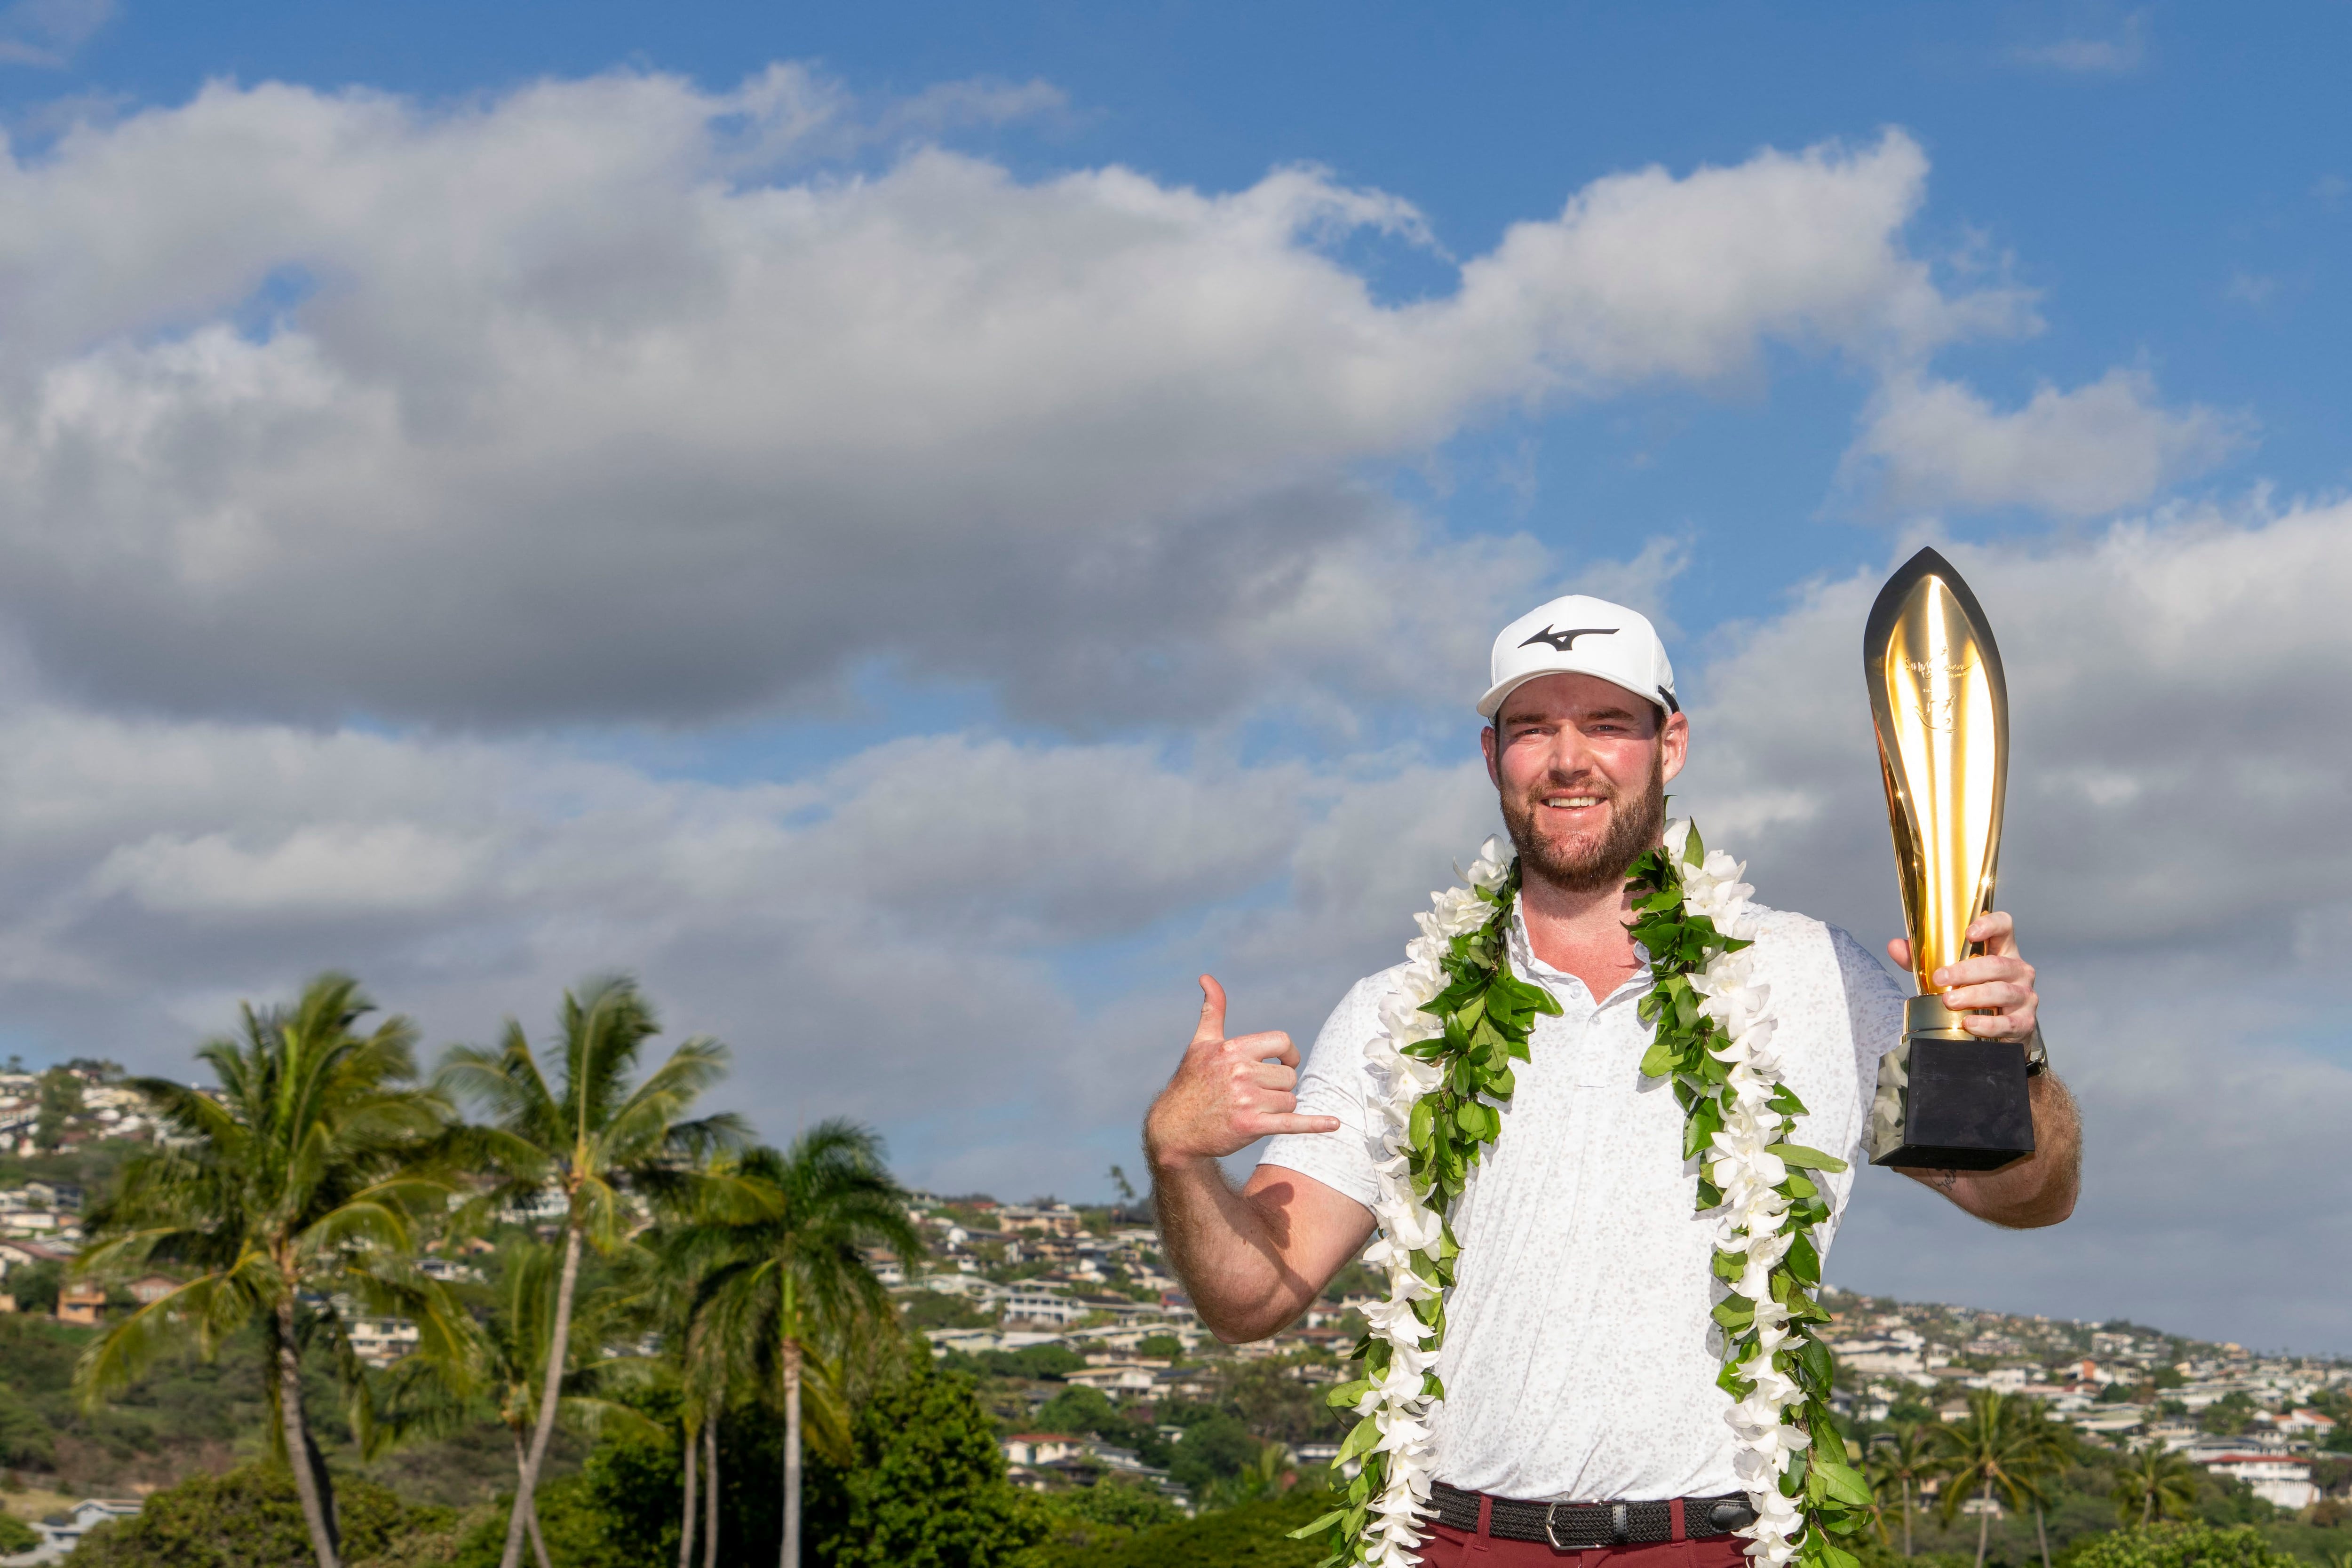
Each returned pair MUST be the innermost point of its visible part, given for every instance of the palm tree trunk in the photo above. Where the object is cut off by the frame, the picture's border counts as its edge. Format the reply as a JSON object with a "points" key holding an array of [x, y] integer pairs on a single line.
{"points": [[710, 1493], [1907, 1517], [685, 1521], [537, 1541], [2041, 1534], [1984, 1524], [792, 1552], [297, 1439], [558, 1346]]}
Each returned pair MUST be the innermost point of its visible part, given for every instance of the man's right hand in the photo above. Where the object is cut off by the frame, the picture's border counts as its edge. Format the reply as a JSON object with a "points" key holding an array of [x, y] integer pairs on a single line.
{"points": [[1227, 1093]]}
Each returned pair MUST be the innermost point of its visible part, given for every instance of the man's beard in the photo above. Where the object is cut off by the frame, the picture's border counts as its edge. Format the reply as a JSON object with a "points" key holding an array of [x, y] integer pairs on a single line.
{"points": [[1635, 825]]}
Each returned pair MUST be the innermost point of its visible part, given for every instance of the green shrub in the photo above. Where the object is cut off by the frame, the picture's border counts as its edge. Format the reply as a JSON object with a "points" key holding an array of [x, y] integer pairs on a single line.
{"points": [[2180, 1546], [16, 1536], [252, 1518], [1254, 1535]]}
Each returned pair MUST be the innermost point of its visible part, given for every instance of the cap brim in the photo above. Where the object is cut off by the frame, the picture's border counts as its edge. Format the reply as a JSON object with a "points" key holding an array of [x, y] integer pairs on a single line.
{"points": [[1492, 703]]}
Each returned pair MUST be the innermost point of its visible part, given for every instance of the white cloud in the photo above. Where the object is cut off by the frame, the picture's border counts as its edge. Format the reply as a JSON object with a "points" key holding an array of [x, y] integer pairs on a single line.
{"points": [[569, 404], [46, 32], [2094, 450], [988, 947], [2120, 55]]}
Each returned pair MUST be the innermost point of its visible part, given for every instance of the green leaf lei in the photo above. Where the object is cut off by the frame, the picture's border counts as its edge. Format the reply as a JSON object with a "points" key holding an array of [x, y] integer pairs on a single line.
{"points": [[1487, 1015], [1834, 1497]]}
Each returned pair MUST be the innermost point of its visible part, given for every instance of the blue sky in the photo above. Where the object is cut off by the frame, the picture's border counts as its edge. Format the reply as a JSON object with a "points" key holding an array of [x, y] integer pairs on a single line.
{"points": [[917, 529]]}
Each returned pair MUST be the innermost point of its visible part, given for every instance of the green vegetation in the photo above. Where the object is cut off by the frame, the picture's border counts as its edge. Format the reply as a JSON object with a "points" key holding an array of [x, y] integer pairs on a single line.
{"points": [[253, 1517], [2181, 1546]]}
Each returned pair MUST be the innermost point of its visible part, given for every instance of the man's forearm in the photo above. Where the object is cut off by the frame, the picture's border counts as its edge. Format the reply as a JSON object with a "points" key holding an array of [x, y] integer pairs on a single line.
{"points": [[2038, 1190], [1224, 1250]]}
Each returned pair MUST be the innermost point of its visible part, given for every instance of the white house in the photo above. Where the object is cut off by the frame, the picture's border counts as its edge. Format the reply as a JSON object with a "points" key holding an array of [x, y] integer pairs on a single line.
{"points": [[2274, 1478]]}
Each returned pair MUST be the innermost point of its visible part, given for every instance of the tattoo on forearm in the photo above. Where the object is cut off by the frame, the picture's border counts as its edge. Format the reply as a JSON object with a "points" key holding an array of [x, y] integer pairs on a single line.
{"points": [[1947, 1181]]}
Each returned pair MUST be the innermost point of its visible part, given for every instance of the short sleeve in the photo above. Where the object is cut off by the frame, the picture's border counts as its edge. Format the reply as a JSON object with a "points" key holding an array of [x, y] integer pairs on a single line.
{"points": [[1874, 1003], [1332, 1081]]}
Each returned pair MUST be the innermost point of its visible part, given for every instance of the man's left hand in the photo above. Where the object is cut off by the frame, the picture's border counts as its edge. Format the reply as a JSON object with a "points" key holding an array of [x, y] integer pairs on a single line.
{"points": [[1997, 979]]}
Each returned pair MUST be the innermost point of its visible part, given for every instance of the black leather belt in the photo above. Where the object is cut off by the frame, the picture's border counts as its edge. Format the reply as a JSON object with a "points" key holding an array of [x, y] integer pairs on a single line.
{"points": [[1583, 1526]]}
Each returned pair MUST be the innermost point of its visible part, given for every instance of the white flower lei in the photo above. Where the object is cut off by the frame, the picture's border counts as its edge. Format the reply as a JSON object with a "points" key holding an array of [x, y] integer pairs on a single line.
{"points": [[1767, 1209]]}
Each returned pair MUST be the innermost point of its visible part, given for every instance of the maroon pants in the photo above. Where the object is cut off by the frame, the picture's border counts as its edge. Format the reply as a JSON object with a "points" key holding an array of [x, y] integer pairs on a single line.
{"points": [[1444, 1548]]}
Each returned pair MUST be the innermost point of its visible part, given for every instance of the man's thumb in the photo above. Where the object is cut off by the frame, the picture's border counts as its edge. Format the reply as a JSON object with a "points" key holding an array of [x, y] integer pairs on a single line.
{"points": [[1212, 1009]]}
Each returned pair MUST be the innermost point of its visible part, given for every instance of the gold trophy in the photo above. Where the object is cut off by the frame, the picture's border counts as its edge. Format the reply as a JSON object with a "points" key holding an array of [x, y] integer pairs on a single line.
{"points": [[1941, 708]]}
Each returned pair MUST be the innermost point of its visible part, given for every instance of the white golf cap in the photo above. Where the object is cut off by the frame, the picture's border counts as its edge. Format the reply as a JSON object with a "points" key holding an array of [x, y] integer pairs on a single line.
{"points": [[1577, 635]]}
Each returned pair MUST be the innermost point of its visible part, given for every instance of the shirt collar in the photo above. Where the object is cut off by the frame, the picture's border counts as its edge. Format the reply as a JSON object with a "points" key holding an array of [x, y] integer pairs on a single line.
{"points": [[1529, 966]]}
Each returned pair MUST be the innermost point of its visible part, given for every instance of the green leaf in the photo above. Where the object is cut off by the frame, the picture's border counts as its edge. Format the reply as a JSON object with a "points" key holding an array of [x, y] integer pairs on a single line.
{"points": [[1819, 1366], [1359, 1440], [1842, 1483], [1321, 1525], [1804, 1158], [1803, 1262]]}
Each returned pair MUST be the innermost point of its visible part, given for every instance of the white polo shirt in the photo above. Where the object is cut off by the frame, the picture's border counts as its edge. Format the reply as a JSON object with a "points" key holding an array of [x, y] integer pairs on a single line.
{"points": [[1579, 1360]]}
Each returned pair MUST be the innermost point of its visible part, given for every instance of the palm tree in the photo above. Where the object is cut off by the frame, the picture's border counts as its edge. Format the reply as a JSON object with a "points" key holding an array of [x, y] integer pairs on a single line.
{"points": [[2005, 1446], [516, 1338], [2157, 1481], [794, 1278], [597, 1139], [299, 1178], [1903, 1464]]}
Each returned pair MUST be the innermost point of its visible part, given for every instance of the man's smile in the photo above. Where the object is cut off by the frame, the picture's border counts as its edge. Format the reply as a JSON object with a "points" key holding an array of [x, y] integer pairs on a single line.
{"points": [[1570, 802]]}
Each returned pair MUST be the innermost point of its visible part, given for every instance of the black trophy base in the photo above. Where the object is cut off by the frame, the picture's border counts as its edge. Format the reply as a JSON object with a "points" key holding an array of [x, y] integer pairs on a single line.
{"points": [[1966, 1108]]}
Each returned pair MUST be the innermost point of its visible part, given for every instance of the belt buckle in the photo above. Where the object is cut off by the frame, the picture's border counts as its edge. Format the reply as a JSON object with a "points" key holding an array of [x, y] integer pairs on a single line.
{"points": [[1619, 1530]]}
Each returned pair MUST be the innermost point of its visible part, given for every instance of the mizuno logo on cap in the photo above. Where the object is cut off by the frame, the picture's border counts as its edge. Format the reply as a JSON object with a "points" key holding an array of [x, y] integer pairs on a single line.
{"points": [[1564, 641]]}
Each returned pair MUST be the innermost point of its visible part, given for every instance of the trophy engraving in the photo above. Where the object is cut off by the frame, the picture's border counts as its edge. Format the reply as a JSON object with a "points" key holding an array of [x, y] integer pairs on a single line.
{"points": [[1940, 706]]}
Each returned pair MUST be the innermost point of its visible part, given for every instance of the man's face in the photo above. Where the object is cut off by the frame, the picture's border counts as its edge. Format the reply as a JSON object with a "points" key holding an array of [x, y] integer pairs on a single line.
{"points": [[1580, 767]]}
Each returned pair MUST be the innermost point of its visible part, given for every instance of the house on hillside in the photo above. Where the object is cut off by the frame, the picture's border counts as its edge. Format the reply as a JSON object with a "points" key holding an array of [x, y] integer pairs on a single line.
{"points": [[2274, 1478], [149, 1289], [81, 1304], [61, 1533]]}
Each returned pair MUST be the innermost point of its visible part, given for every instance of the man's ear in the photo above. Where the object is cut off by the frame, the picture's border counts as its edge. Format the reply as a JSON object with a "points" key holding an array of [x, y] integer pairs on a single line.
{"points": [[1487, 743], [1676, 739]]}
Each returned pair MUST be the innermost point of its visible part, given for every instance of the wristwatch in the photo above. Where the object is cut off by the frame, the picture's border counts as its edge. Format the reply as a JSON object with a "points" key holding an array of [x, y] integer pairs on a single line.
{"points": [[2037, 1055]]}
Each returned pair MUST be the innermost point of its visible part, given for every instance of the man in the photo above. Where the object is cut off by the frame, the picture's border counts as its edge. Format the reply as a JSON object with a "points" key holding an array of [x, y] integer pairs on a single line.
{"points": [[1577, 1359]]}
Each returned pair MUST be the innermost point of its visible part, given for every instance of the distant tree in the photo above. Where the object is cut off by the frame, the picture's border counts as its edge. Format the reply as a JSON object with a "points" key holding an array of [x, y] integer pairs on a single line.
{"points": [[60, 1103], [928, 1489], [1123, 1505], [298, 1180], [1160, 1347], [596, 1137], [1125, 1188], [1275, 1405], [1212, 1450], [2227, 1416], [1903, 1463], [2154, 1480], [16, 1535], [792, 1273], [35, 1289], [2003, 1446]]}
